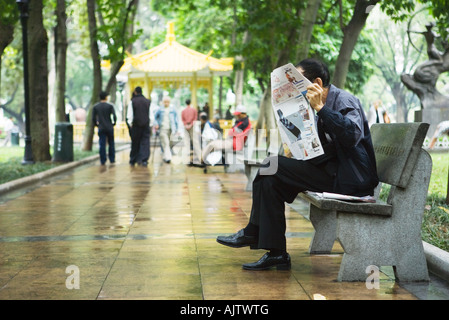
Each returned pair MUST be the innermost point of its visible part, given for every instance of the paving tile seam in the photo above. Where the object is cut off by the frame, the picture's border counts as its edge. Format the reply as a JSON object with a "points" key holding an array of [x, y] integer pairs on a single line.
{"points": [[99, 293], [195, 241], [131, 237]]}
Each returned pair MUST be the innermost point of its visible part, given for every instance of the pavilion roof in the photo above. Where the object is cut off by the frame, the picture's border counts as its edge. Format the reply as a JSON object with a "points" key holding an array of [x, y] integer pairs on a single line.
{"points": [[171, 57]]}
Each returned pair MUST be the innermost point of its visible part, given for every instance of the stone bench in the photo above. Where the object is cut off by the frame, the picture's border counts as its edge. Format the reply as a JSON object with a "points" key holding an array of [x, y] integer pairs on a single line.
{"points": [[382, 233]]}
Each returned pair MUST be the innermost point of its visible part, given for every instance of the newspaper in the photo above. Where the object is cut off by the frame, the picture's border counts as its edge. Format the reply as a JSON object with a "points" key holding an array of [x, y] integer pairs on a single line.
{"points": [[343, 197], [294, 116]]}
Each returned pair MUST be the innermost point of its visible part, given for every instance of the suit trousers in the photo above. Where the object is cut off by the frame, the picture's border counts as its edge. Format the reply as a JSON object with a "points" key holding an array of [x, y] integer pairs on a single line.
{"points": [[140, 144], [279, 181]]}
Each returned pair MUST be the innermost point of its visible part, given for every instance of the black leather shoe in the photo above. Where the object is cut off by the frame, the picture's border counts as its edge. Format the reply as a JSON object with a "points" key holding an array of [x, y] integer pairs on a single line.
{"points": [[281, 262], [238, 240]]}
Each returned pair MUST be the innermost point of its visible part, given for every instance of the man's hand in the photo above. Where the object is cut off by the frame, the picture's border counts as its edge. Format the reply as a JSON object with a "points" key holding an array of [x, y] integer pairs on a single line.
{"points": [[315, 96]]}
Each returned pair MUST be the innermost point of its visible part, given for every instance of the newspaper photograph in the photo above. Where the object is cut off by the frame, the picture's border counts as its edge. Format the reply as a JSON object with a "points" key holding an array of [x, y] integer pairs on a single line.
{"points": [[294, 116]]}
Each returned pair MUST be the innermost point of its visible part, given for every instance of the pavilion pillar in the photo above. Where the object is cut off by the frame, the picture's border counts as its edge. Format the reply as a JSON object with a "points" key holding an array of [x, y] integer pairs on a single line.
{"points": [[193, 89], [131, 86], [146, 89], [211, 96]]}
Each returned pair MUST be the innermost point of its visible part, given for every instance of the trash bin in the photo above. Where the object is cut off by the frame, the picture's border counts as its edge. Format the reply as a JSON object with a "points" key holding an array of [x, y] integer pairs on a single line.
{"points": [[63, 147], [15, 138]]}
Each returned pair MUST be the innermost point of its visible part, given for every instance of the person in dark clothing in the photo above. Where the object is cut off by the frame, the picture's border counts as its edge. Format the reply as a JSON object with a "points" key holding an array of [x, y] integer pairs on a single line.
{"points": [[348, 166], [228, 115], [101, 117], [138, 118]]}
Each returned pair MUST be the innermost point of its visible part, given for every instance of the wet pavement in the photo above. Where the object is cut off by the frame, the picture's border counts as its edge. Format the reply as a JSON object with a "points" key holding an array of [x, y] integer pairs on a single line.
{"points": [[121, 232]]}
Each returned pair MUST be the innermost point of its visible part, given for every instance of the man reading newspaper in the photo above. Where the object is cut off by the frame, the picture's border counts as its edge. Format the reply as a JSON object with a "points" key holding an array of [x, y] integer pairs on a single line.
{"points": [[347, 166]]}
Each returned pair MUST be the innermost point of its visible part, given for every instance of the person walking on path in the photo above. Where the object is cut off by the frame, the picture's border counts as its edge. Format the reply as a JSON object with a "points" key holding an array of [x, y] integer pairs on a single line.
{"points": [[166, 121], [188, 116], [9, 126], [103, 116], [138, 118], [347, 166]]}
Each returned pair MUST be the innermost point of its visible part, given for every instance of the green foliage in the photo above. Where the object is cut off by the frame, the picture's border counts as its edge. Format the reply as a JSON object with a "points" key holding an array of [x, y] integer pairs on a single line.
{"points": [[327, 38], [112, 27], [435, 225], [9, 13], [400, 10], [11, 167]]}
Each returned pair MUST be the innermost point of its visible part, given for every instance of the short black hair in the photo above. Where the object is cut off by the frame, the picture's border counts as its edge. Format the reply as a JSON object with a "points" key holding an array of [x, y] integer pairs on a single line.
{"points": [[313, 69], [138, 90], [103, 95], [188, 101]]}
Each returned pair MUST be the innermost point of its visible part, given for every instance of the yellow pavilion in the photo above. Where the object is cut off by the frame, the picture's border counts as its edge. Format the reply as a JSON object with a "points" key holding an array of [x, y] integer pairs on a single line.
{"points": [[171, 64]]}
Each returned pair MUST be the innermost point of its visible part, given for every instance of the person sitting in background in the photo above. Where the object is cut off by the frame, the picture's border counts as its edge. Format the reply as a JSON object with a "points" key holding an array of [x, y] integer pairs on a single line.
{"points": [[377, 114], [203, 133], [236, 136], [442, 128]]}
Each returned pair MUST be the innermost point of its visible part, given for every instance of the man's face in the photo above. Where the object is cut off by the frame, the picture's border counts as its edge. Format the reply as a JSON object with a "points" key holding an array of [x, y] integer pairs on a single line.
{"points": [[166, 103]]}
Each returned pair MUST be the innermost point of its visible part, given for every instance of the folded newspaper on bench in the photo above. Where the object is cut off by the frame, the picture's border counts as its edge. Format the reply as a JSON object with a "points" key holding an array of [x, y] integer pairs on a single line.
{"points": [[294, 116], [343, 197]]}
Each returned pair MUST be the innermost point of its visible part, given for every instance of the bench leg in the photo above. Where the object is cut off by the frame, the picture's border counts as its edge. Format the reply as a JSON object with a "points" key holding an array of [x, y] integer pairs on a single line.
{"points": [[413, 266], [365, 241], [389, 241], [374, 241], [325, 224]]}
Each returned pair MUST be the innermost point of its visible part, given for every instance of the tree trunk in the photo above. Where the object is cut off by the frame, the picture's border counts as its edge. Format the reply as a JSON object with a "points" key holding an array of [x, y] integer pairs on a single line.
{"points": [[97, 81], [240, 74], [305, 35], [96, 61], [351, 34], [60, 59], [6, 37], [38, 82], [399, 96], [266, 114], [239, 61]]}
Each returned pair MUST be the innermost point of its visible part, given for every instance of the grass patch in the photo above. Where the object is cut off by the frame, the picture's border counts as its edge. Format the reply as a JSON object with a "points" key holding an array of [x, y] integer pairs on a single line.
{"points": [[11, 167], [435, 226]]}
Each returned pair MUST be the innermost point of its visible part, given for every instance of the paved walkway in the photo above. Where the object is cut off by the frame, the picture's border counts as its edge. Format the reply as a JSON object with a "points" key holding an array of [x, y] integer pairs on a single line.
{"points": [[149, 233]]}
